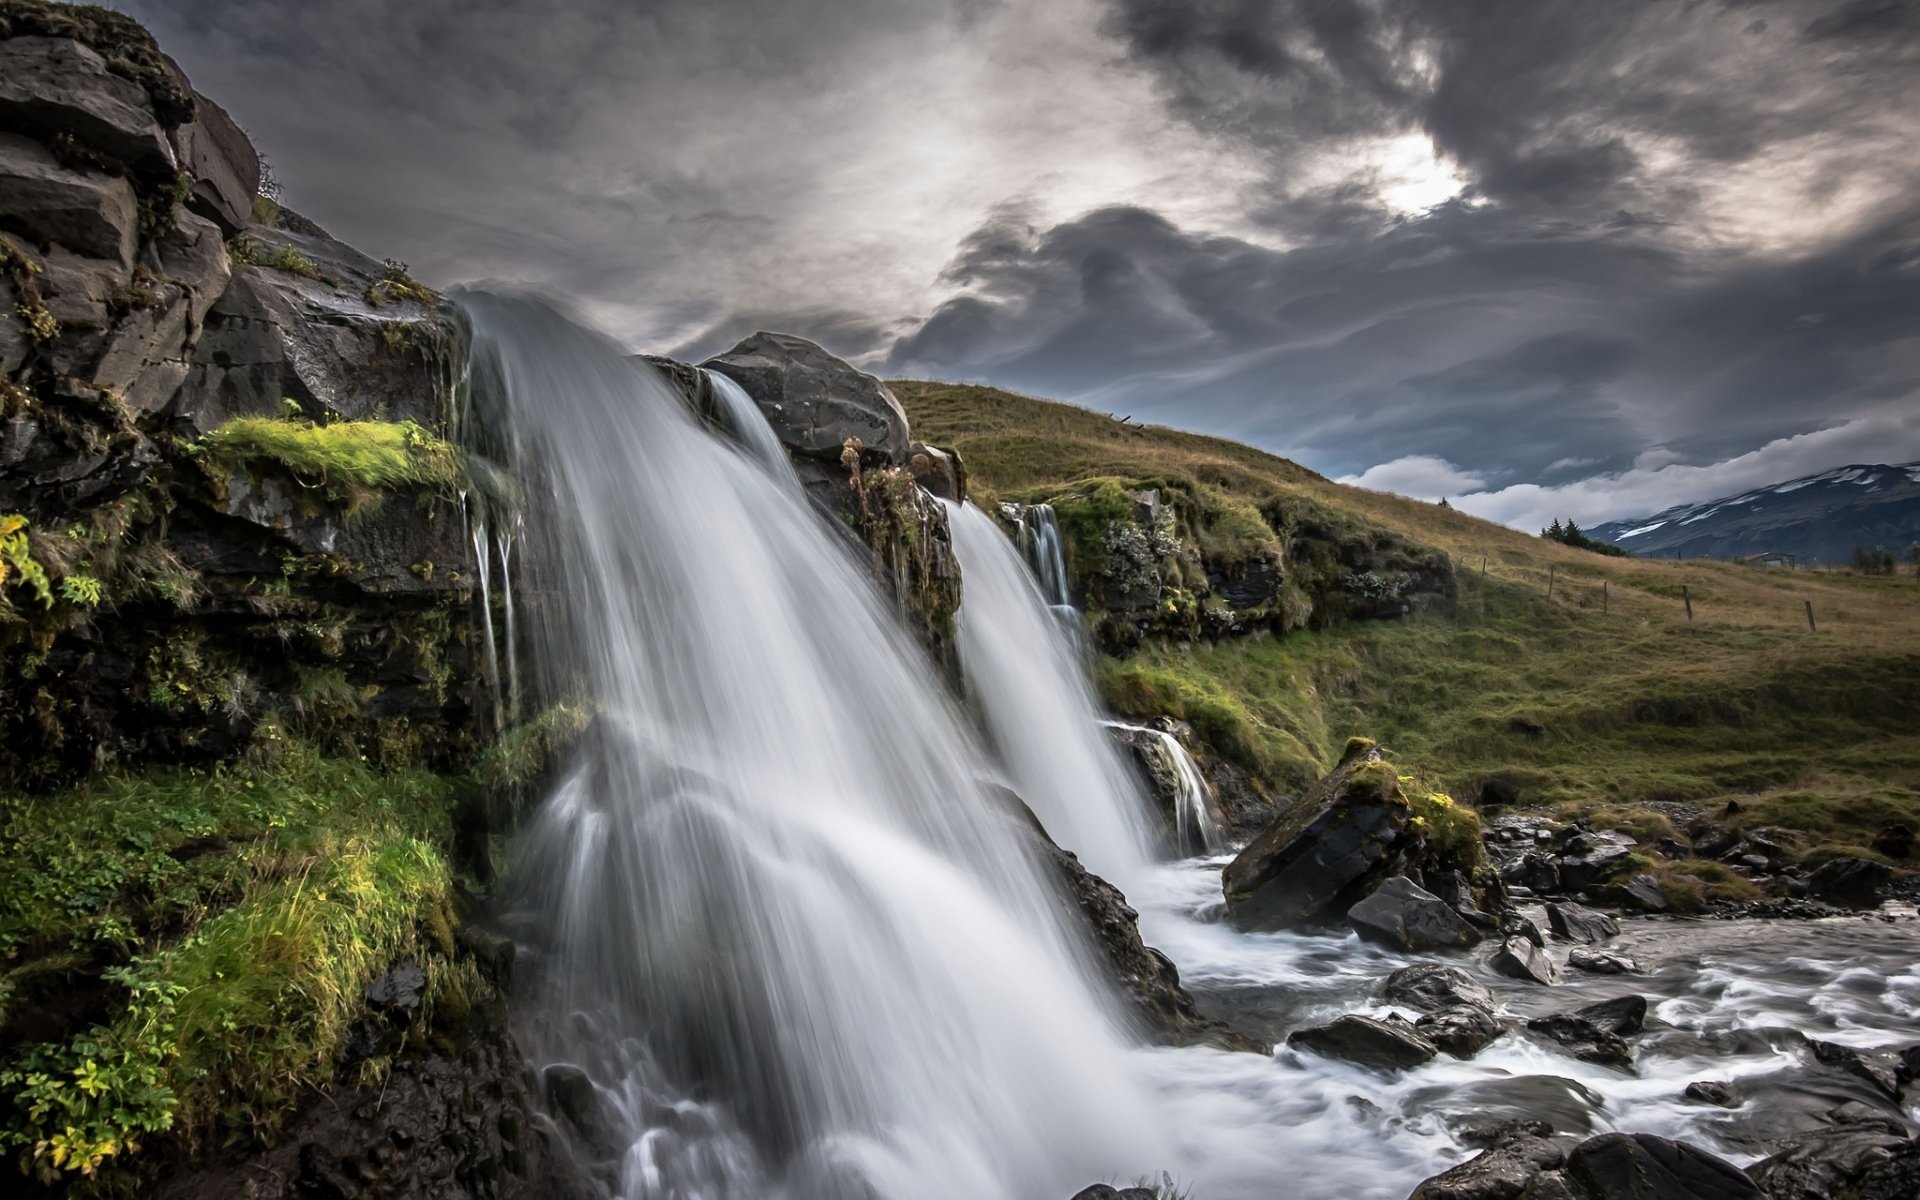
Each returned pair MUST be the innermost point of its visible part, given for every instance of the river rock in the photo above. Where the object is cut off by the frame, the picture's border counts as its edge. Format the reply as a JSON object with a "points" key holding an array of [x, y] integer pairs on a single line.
{"points": [[1431, 987], [1645, 892], [1577, 923], [1384, 1045], [1852, 1163], [1404, 915], [1621, 1015], [1592, 858], [1716, 1092], [1584, 1040], [1345, 836], [1640, 1166], [1512, 924], [814, 401], [1855, 882], [1501, 1172], [1462, 1030], [1519, 958], [1602, 962], [1876, 1067], [1537, 872], [938, 469], [1106, 1191]]}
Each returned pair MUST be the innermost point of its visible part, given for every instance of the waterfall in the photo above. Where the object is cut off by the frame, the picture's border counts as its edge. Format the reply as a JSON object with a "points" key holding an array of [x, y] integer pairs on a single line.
{"points": [[747, 425], [1040, 541], [780, 919], [1025, 675], [1195, 828]]}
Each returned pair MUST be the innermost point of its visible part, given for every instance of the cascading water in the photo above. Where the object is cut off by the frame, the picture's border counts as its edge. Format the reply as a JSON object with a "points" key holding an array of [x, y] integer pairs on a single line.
{"points": [[1040, 541], [780, 922], [747, 426], [1025, 676], [1195, 829]]}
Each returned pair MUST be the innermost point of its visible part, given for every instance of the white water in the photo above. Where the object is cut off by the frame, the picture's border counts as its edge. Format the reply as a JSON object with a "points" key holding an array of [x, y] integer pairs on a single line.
{"points": [[801, 952], [795, 943], [1041, 542], [747, 426], [1196, 831], [1025, 676]]}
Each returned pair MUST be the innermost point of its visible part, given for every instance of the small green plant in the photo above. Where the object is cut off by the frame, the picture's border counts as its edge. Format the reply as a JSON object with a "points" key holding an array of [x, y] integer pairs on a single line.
{"points": [[98, 1095], [395, 285], [83, 590], [17, 563]]}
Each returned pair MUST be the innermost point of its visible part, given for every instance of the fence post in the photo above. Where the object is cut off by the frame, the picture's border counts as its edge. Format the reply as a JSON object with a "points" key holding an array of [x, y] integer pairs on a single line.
{"points": [[1810, 624], [1686, 597], [1604, 606], [1483, 566], [1549, 581]]}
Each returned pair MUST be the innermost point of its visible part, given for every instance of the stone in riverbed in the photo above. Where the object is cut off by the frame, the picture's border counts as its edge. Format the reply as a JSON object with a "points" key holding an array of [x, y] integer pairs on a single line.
{"points": [[1462, 1030], [1402, 914], [1519, 958], [1878, 1068], [1431, 987], [1645, 892], [1535, 871], [1105, 1191], [1854, 1162], [1517, 1155], [1640, 1166], [1578, 923], [1602, 962], [1716, 1092], [1383, 1045], [1344, 837], [1620, 1015], [1584, 1040], [1855, 882]]}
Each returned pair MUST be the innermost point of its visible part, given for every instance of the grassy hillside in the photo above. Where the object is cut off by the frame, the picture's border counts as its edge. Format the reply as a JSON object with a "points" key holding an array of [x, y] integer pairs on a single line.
{"points": [[1603, 698]]}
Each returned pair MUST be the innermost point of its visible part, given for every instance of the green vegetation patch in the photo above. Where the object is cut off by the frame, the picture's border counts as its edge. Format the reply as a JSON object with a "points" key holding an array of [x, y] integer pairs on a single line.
{"points": [[349, 458], [182, 951]]}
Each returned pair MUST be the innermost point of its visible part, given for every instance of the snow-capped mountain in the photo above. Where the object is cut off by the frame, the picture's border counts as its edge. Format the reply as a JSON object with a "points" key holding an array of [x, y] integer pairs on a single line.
{"points": [[1819, 518]]}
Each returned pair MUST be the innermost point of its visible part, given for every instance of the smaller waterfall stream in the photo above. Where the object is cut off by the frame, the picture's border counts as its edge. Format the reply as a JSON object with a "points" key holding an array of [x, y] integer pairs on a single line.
{"points": [[1195, 828]]}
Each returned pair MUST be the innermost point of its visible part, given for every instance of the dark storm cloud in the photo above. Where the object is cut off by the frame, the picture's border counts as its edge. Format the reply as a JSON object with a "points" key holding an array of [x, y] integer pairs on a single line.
{"points": [[1660, 229]]}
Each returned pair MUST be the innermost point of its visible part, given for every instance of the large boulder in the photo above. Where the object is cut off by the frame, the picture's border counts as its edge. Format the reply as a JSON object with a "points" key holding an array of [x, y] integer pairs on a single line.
{"points": [[816, 402], [1431, 987], [1384, 1045], [1462, 1030], [1524, 1165], [1849, 1163], [1500, 1172], [1402, 914], [1519, 958], [1855, 882], [1347, 835], [1584, 1039], [1577, 923]]}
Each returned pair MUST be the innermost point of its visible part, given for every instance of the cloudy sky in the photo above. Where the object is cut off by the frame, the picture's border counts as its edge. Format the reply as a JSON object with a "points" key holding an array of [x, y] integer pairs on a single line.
{"points": [[1545, 257]]}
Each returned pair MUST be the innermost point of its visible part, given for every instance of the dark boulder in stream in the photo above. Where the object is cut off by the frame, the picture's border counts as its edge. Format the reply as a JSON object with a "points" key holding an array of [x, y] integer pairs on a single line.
{"points": [[1384, 1045], [1524, 1165], [1402, 914], [1343, 838], [1431, 987], [1519, 958], [1577, 923]]}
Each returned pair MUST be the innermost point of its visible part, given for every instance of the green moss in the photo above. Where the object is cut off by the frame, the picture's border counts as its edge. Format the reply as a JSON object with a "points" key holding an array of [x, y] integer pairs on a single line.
{"points": [[1453, 832], [238, 913], [348, 457]]}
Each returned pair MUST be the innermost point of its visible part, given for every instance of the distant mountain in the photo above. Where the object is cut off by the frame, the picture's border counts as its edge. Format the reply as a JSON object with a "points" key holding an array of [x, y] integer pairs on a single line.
{"points": [[1819, 518]]}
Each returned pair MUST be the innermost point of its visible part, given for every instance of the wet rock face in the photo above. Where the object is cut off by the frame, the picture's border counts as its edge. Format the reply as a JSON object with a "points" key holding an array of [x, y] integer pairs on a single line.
{"points": [[1577, 923], [1500, 1172], [131, 328], [1518, 958], [1344, 837], [1430, 987]]}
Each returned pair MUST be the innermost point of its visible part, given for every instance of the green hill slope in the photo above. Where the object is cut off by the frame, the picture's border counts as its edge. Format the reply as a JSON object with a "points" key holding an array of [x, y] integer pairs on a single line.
{"points": [[1603, 698]]}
